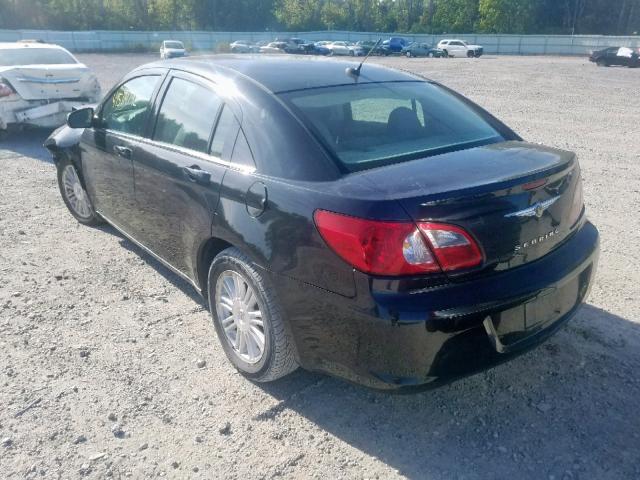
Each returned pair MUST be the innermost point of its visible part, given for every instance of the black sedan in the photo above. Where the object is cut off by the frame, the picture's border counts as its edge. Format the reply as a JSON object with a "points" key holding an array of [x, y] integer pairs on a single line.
{"points": [[365, 223], [622, 56], [416, 49]]}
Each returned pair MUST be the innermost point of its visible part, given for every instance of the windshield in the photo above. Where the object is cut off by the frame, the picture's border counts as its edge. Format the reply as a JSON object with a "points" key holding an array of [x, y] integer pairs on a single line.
{"points": [[34, 56], [368, 125], [176, 45]]}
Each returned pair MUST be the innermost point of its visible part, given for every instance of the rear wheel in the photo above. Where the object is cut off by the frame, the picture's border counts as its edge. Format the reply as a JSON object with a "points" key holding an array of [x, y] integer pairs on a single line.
{"points": [[602, 63], [248, 319], [74, 194]]}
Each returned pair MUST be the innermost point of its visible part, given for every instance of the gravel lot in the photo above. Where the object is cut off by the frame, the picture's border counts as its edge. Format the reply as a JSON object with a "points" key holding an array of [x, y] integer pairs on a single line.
{"points": [[110, 366]]}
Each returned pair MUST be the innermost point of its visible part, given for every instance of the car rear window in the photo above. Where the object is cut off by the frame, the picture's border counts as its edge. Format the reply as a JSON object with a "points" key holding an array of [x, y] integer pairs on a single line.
{"points": [[369, 125], [12, 57]]}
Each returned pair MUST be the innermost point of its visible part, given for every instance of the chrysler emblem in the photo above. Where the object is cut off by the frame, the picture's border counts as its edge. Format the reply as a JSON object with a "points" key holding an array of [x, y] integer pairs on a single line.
{"points": [[535, 210]]}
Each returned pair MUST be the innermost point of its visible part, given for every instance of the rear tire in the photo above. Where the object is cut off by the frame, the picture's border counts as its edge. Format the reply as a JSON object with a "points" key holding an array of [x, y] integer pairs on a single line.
{"points": [[602, 63], [248, 318], [74, 195]]}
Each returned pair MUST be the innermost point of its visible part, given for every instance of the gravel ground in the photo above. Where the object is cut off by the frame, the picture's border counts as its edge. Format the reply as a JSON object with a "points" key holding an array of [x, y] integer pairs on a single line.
{"points": [[110, 366]]}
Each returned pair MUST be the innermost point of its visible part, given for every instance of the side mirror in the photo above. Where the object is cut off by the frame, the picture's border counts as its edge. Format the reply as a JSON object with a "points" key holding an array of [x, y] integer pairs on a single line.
{"points": [[81, 118]]}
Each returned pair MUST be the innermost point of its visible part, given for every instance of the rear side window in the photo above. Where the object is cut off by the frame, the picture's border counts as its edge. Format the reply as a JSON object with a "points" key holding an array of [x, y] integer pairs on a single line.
{"points": [[187, 115], [225, 132], [128, 107], [374, 124], [242, 152]]}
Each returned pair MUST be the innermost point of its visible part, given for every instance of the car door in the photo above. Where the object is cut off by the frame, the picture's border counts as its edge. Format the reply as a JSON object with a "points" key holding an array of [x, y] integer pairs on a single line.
{"points": [[109, 148], [456, 48], [180, 170]]}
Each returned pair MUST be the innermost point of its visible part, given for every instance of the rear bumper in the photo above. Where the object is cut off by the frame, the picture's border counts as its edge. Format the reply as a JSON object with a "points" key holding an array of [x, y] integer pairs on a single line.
{"points": [[34, 113], [407, 340]]}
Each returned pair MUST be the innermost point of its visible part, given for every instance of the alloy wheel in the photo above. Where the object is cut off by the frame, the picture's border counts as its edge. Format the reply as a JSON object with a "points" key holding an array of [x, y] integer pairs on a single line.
{"points": [[75, 192], [240, 316]]}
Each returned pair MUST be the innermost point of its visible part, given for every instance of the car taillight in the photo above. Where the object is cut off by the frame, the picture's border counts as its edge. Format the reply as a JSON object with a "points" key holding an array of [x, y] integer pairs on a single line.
{"points": [[397, 248], [577, 206], [453, 247], [5, 88]]}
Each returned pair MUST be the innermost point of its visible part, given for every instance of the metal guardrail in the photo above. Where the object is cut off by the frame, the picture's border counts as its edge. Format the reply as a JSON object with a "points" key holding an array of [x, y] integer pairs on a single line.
{"points": [[114, 41]]}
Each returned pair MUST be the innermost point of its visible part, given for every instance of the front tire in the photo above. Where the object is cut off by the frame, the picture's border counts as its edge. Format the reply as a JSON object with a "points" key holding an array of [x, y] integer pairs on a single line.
{"points": [[74, 195], [470, 54], [248, 318]]}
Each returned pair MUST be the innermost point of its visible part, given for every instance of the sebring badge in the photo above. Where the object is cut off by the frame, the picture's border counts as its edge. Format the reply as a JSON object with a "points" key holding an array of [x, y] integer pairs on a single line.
{"points": [[535, 210], [537, 240]]}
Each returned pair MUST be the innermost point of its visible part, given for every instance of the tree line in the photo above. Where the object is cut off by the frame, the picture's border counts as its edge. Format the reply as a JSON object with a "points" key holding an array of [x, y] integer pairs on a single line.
{"points": [[621, 17]]}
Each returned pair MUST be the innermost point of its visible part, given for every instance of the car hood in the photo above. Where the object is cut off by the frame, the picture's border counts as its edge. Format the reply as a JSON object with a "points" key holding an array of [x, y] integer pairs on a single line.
{"points": [[47, 82]]}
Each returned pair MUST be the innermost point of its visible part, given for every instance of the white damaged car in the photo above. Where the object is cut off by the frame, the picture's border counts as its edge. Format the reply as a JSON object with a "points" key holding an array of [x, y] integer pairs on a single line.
{"points": [[41, 83]]}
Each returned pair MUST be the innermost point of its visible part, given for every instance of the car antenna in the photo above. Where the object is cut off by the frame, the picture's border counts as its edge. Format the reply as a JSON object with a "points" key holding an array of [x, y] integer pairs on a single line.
{"points": [[355, 72]]}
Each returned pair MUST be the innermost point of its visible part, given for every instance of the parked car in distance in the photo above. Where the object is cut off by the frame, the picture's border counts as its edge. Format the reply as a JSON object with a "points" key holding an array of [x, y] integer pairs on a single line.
{"points": [[394, 45], [172, 49], [623, 56], [243, 46], [388, 231], [320, 48], [367, 45], [459, 48], [339, 48], [41, 83], [417, 49], [274, 47]]}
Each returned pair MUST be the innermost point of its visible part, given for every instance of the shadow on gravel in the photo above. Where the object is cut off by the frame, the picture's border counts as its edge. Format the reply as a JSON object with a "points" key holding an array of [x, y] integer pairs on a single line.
{"points": [[26, 143], [566, 410], [175, 280]]}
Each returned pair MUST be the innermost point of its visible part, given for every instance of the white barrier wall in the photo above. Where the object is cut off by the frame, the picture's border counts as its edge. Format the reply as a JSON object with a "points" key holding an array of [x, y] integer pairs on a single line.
{"points": [[493, 44]]}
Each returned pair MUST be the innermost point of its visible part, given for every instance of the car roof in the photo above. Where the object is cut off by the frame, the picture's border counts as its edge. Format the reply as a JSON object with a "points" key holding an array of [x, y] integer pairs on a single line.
{"points": [[13, 45], [281, 73]]}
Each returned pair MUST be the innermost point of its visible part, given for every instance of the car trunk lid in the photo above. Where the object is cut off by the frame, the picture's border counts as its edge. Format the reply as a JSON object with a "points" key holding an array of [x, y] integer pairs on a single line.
{"points": [[517, 200], [44, 82]]}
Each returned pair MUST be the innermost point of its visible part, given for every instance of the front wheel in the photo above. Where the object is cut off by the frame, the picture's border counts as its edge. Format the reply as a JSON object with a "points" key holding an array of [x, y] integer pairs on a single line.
{"points": [[470, 54], [248, 319], [74, 194], [445, 54]]}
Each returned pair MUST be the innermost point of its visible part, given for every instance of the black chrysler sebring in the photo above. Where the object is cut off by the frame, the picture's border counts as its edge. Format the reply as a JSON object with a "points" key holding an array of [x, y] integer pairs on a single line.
{"points": [[369, 224]]}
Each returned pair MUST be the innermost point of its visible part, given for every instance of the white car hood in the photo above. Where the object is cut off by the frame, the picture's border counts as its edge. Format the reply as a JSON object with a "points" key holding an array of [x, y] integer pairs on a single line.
{"points": [[49, 82]]}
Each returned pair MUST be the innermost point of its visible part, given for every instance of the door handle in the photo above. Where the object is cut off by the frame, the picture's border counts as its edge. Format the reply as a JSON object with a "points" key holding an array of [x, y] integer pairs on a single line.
{"points": [[124, 152], [197, 175]]}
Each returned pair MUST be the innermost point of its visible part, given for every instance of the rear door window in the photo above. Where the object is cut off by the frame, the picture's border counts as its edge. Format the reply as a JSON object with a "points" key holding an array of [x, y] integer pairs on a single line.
{"points": [[187, 115], [225, 135], [128, 107]]}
